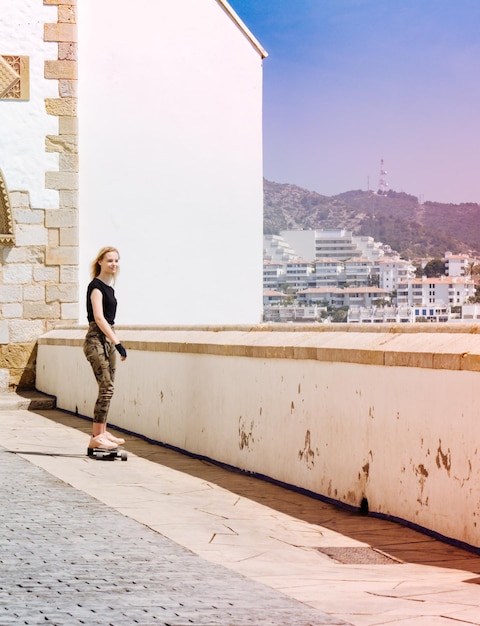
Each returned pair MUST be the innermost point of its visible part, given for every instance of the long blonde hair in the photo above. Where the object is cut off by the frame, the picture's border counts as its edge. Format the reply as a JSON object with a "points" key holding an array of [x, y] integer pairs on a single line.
{"points": [[95, 268]]}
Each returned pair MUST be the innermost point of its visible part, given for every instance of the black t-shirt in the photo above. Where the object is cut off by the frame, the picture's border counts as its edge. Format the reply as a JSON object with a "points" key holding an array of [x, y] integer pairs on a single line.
{"points": [[109, 301]]}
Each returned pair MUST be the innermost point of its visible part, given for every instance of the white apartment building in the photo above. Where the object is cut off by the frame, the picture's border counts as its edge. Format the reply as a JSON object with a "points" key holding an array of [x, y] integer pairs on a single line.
{"points": [[370, 248], [424, 292], [457, 264], [336, 243], [272, 296], [298, 274], [275, 248], [358, 272], [471, 312], [380, 315], [273, 274], [328, 272], [393, 270], [334, 296]]}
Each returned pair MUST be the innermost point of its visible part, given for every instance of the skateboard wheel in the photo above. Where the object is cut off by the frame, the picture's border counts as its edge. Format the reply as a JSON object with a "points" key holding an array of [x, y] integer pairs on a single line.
{"points": [[124, 455]]}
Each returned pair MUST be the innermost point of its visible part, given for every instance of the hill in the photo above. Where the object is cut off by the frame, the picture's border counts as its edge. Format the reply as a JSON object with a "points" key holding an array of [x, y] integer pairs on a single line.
{"points": [[397, 219]]}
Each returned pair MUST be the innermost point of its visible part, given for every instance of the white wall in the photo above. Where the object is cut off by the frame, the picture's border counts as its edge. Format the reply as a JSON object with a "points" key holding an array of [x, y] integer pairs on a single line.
{"points": [[389, 416], [171, 159], [24, 125]]}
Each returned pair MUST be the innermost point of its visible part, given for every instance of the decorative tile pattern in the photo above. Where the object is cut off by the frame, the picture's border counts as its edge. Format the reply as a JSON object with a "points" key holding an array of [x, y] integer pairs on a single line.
{"points": [[14, 78], [6, 222]]}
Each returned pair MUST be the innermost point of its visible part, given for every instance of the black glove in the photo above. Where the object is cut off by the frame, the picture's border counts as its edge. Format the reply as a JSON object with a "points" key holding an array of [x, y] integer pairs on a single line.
{"points": [[121, 350]]}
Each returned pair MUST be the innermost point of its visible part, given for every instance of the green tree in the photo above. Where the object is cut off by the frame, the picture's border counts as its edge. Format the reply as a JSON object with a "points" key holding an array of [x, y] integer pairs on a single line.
{"points": [[340, 315], [434, 268]]}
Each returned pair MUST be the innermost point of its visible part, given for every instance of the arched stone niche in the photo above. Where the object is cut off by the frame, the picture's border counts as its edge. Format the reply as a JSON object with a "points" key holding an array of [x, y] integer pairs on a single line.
{"points": [[6, 220]]}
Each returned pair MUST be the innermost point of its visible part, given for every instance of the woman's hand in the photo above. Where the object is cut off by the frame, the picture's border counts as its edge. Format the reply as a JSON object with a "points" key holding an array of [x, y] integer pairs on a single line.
{"points": [[121, 350]]}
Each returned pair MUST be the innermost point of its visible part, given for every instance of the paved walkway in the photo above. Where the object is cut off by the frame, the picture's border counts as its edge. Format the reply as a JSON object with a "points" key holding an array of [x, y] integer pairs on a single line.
{"points": [[166, 539]]}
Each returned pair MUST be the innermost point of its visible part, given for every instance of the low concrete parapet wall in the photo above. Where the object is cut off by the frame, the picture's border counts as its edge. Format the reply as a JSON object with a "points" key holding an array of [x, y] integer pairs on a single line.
{"points": [[385, 415]]}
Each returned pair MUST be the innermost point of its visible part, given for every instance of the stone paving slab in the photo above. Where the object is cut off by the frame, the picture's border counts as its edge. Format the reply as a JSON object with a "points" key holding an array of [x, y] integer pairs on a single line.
{"points": [[259, 531], [66, 559]]}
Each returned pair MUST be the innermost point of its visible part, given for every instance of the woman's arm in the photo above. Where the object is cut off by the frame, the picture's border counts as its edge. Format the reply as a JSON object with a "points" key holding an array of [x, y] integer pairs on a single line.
{"points": [[96, 298]]}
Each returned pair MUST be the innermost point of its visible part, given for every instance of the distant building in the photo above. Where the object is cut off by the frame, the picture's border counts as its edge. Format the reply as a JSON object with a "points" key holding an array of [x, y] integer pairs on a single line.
{"points": [[337, 243], [458, 264], [277, 313], [328, 272], [393, 270], [446, 291], [298, 273], [358, 272], [272, 296], [380, 315], [273, 274], [275, 248], [471, 312], [334, 296]]}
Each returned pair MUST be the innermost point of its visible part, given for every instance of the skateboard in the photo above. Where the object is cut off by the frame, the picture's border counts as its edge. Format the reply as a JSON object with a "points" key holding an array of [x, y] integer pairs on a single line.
{"points": [[102, 454]]}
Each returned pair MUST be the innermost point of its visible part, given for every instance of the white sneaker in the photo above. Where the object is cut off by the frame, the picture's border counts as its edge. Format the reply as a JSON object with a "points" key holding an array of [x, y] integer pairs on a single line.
{"points": [[100, 441], [116, 440]]}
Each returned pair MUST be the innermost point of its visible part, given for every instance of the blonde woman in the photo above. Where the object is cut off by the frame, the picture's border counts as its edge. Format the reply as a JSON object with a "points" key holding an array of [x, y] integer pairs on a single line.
{"points": [[101, 343]]}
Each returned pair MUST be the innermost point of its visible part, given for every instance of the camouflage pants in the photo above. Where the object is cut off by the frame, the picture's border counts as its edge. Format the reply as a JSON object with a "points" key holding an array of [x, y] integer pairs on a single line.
{"points": [[101, 355]]}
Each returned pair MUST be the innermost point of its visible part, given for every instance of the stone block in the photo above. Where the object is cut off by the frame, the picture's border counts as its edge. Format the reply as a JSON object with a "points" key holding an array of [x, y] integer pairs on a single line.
{"points": [[70, 311], [69, 274], [61, 69], [68, 126], [61, 293], [19, 199], [4, 331], [23, 378], [4, 380], [16, 330], [16, 355], [61, 106], [57, 218], [14, 255], [12, 311], [41, 311], [54, 237], [28, 216], [10, 293], [61, 143], [68, 162], [34, 293], [68, 51], [69, 236], [62, 255], [67, 13], [68, 88], [61, 180], [68, 199], [31, 235], [36, 255], [60, 2], [17, 274], [60, 32], [47, 274]]}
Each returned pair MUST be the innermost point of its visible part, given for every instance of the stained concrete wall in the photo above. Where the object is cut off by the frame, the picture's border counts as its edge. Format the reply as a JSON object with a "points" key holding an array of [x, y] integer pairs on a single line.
{"points": [[347, 414]]}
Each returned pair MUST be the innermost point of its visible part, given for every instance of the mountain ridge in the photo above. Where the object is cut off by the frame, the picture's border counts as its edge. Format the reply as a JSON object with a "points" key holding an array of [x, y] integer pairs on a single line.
{"points": [[416, 231]]}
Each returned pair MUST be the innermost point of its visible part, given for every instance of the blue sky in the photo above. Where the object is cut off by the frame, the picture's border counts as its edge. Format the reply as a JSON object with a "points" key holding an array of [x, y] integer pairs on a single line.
{"points": [[349, 82]]}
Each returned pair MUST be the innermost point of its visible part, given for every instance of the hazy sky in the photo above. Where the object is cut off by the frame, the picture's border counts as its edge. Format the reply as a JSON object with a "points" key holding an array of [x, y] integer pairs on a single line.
{"points": [[349, 82]]}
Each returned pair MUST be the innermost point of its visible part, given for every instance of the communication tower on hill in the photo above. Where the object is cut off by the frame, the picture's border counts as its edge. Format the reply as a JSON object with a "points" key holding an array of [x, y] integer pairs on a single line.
{"points": [[382, 183]]}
